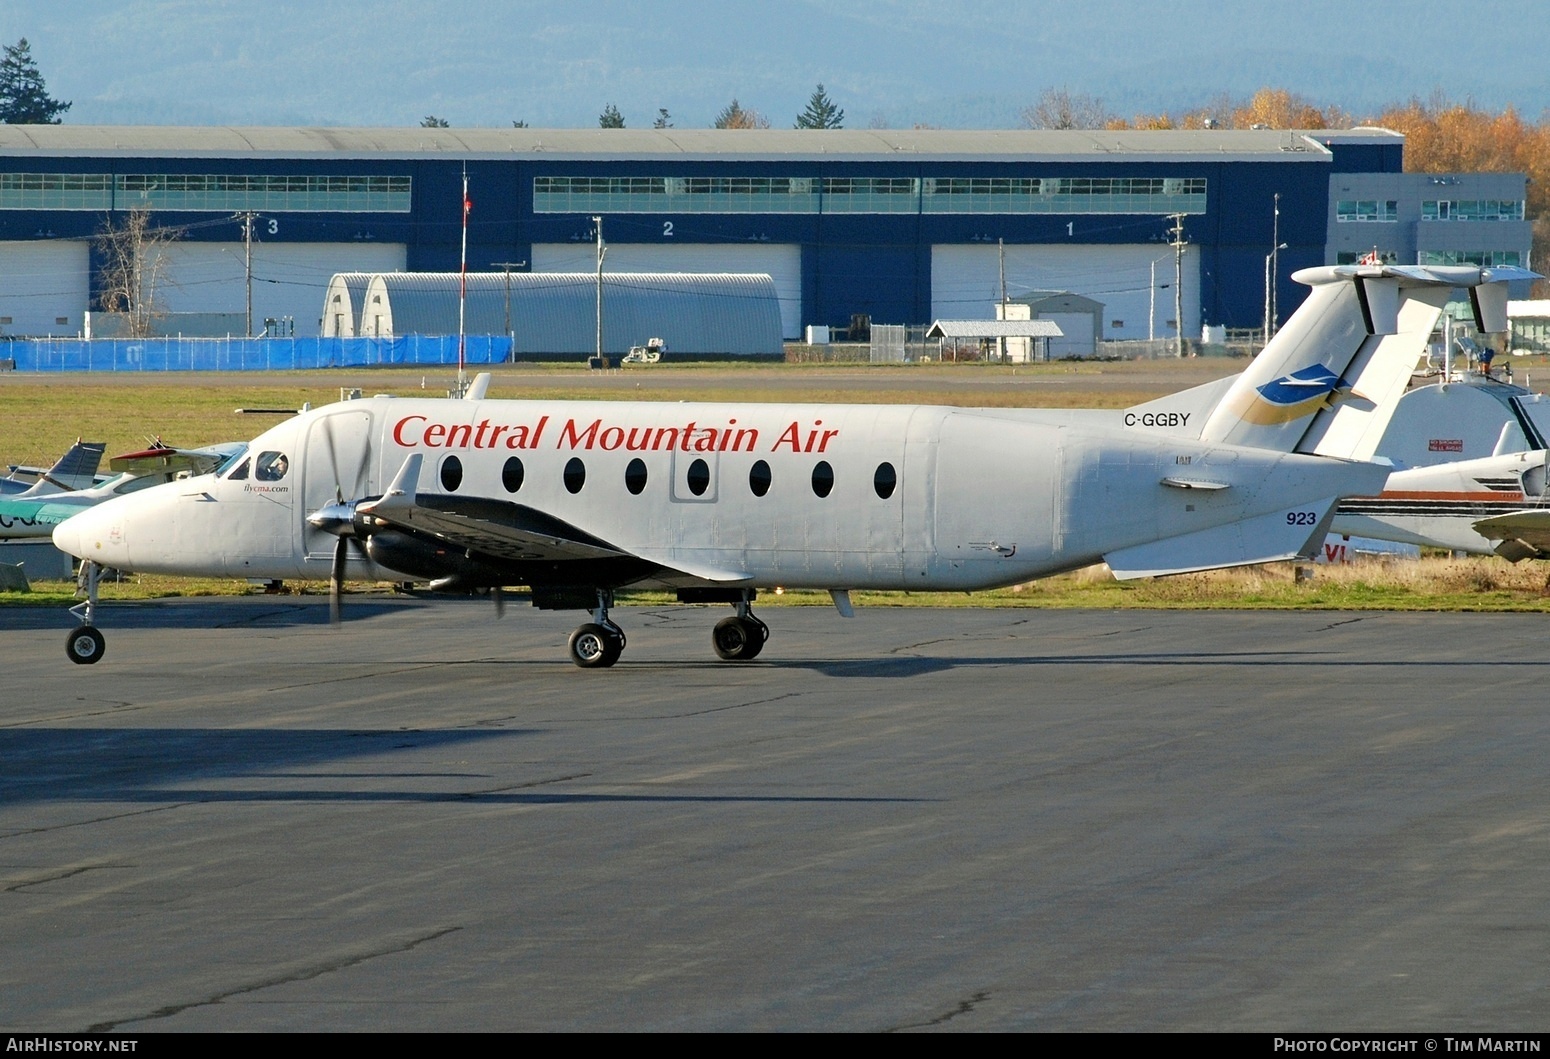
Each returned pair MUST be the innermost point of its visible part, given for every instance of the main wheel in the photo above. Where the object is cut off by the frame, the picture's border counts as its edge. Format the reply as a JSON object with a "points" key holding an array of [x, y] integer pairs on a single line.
{"points": [[736, 639], [85, 645], [594, 646]]}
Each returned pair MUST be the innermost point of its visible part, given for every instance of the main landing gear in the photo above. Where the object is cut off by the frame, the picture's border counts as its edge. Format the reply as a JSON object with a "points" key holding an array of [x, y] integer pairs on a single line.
{"points": [[740, 637], [85, 644], [599, 643]]}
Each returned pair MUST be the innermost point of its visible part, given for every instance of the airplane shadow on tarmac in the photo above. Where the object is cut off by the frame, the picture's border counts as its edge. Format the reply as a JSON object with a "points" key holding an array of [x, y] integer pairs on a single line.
{"points": [[187, 765]]}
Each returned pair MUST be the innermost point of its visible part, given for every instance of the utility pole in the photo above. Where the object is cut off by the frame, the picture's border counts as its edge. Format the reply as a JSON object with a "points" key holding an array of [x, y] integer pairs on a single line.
{"points": [[1177, 232], [597, 223], [506, 267], [1001, 339], [247, 219]]}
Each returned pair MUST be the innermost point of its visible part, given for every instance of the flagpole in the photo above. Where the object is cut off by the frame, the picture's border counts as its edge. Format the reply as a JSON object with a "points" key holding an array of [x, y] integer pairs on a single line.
{"points": [[462, 293]]}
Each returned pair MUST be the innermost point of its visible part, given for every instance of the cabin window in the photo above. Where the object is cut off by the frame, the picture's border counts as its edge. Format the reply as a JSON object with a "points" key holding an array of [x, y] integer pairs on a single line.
{"points": [[511, 474], [759, 478], [823, 479], [575, 475], [885, 480], [240, 474], [271, 466], [698, 478], [451, 473], [635, 476]]}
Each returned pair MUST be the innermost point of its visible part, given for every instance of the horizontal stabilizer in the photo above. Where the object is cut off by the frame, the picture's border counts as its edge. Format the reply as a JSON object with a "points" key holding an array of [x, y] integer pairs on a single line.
{"points": [[1287, 534], [1530, 526]]}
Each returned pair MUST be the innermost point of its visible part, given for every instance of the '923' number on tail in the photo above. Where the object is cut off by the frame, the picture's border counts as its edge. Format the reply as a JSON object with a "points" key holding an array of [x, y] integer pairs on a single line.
{"points": [[1302, 518]]}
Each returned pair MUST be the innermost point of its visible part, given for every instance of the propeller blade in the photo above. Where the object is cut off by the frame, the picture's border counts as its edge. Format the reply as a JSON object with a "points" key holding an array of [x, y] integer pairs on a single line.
{"points": [[498, 594], [336, 581]]}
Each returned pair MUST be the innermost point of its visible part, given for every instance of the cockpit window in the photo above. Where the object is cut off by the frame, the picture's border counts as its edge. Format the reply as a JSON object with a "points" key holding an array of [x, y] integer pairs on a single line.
{"points": [[271, 466], [241, 473], [231, 458]]}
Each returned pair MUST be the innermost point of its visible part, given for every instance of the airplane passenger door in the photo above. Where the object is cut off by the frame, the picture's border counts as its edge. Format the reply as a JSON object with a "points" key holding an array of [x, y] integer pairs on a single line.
{"points": [[337, 463]]}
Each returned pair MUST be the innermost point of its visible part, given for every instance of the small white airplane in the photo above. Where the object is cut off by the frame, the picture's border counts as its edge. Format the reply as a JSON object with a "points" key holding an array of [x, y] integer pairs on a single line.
{"points": [[1496, 505], [35, 513], [716, 501]]}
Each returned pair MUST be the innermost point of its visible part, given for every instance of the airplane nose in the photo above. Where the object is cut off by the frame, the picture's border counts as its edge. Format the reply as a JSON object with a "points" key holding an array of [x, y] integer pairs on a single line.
{"points": [[83, 534]]}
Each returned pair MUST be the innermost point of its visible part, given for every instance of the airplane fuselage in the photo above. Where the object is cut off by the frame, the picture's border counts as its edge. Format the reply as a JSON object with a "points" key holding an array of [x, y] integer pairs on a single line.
{"points": [[825, 496]]}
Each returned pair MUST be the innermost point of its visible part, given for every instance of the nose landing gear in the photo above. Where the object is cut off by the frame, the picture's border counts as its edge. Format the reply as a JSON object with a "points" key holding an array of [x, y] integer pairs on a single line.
{"points": [[85, 645]]}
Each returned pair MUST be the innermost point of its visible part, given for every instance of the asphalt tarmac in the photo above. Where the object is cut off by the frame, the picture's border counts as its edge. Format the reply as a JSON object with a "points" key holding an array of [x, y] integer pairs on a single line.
{"points": [[919, 819]]}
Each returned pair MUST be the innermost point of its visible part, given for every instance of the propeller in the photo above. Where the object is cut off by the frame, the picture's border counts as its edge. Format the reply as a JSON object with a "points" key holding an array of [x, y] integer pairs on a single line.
{"points": [[338, 518]]}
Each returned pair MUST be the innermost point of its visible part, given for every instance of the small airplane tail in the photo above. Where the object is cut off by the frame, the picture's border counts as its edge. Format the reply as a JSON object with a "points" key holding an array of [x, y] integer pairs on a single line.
{"points": [[76, 469], [1327, 384]]}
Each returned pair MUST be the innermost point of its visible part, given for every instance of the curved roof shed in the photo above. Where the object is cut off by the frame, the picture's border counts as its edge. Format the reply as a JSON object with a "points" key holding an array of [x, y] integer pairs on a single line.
{"points": [[342, 303], [550, 313]]}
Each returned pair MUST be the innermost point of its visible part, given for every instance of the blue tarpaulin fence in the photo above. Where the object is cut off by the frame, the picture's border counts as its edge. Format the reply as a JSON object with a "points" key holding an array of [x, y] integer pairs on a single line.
{"points": [[248, 354]]}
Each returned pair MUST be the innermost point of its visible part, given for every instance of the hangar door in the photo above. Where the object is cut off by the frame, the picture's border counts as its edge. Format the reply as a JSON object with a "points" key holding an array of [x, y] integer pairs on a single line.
{"points": [[780, 261], [966, 283], [44, 287], [289, 279]]}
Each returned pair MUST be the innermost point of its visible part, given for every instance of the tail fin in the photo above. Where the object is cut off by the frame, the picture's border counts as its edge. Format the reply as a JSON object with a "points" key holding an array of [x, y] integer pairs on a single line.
{"points": [[76, 469], [1327, 384]]}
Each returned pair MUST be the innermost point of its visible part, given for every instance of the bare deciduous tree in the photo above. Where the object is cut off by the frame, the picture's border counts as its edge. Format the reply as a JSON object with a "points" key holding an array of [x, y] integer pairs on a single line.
{"points": [[1061, 108], [134, 269]]}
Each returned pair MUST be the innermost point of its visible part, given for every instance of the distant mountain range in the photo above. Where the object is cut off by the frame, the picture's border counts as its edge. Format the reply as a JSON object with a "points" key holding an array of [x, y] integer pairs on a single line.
{"points": [[895, 63]]}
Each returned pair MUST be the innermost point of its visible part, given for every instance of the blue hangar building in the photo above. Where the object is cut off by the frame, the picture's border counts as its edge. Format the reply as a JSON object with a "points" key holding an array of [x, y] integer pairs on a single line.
{"points": [[902, 226]]}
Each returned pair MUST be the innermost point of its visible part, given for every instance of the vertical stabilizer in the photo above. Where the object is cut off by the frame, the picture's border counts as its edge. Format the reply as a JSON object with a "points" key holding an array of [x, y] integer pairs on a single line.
{"points": [[1328, 382]]}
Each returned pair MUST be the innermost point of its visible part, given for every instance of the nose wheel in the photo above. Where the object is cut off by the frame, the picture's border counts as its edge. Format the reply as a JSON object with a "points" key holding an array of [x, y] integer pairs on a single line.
{"points": [[85, 644]]}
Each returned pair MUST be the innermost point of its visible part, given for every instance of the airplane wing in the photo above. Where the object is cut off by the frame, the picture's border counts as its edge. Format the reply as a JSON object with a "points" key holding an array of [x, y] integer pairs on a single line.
{"points": [[168, 461], [511, 531]]}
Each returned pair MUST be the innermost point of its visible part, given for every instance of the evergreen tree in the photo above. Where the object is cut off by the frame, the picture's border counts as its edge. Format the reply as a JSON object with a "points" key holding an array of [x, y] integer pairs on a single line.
{"points": [[610, 118], [821, 113], [431, 121], [24, 99], [664, 120], [519, 125]]}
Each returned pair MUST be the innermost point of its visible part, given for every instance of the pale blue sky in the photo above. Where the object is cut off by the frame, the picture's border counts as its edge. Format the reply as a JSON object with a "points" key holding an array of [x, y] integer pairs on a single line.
{"points": [[953, 63]]}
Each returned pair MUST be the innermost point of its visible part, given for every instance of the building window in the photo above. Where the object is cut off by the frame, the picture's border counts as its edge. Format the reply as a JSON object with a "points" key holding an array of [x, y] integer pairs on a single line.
{"points": [[1353, 257], [1149, 195], [1383, 210], [868, 194], [205, 191], [1483, 258], [1471, 210]]}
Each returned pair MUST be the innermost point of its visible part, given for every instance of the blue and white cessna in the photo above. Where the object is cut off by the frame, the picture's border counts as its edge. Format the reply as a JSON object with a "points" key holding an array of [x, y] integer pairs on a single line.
{"points": [[715, 501]]}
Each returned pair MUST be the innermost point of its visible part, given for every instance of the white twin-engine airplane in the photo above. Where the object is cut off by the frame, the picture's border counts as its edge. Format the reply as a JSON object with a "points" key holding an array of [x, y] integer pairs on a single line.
{"points": [[715, 501]]}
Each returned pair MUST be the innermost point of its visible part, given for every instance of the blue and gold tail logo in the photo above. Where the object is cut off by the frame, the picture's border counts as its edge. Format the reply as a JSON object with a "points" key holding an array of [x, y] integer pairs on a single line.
{"points": [[1293, 396]]}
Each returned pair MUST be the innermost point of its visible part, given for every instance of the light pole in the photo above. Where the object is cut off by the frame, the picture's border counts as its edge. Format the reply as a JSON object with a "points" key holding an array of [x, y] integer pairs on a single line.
{"points": [[1270, 299]]}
